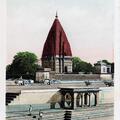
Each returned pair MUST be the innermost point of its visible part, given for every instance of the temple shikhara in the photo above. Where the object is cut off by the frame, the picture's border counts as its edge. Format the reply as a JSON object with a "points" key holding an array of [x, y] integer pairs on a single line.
{"points": [[57, 53]]}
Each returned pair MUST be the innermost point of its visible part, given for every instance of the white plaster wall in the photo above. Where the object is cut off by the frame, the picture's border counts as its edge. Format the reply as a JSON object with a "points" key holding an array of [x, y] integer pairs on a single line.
{"points": [[106, 76], [46, 75], [103, 69], [36, 97]]}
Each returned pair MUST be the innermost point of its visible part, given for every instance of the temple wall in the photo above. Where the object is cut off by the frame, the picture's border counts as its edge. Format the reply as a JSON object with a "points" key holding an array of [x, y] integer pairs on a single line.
{"points": [[48, 64], [68, 63], [57, 66]]}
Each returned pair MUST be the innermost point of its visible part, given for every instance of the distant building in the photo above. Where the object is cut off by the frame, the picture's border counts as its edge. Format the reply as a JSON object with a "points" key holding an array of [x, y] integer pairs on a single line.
{"points": [[57, 53], [102, 67], [43, 74]]}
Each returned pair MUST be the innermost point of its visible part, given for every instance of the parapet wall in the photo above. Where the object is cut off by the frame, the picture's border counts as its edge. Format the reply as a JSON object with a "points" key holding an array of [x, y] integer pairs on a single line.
{"points": [[81, 76], [53, 75], [106, 77], [76, 76]]}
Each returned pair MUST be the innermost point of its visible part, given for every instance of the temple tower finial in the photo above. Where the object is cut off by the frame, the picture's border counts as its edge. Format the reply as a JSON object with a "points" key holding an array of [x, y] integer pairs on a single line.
{"points": [[56, 16]]}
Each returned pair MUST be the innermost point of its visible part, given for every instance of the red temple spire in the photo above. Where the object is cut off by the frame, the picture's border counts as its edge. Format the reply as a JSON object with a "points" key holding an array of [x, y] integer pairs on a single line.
{"points": [[56, 41]]}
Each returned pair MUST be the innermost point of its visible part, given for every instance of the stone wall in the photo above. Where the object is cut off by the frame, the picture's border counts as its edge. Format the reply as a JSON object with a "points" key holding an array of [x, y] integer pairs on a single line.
{"points": [[76, 76], [53, 75]]}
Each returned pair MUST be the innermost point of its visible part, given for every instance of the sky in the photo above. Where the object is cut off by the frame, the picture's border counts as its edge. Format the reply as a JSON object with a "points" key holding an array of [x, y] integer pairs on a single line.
{"points": [[88, 25]]}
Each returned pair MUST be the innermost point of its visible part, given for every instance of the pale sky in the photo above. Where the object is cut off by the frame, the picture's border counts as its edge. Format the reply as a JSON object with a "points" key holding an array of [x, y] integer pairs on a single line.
{"points": [[88, 25]]}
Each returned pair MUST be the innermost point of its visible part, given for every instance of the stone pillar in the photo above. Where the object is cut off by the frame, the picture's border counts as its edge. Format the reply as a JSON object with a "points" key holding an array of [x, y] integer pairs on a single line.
{"points": [[87, 99], [75, 100], [96, 98], [63, 65], [61, 70], [59, 64]]}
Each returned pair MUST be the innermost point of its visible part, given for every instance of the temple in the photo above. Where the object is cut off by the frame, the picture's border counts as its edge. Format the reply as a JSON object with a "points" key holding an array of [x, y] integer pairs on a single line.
{"points": [[57, 53]]}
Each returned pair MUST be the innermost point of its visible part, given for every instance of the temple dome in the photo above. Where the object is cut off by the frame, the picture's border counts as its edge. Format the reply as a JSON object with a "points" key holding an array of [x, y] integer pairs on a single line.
{"points": [[56, 42]]}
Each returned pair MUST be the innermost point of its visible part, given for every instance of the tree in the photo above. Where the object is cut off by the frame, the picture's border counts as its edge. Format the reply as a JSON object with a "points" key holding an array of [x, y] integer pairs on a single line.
{"points": [[76, 64], [23, 63], [81, 66], [106, 61]]}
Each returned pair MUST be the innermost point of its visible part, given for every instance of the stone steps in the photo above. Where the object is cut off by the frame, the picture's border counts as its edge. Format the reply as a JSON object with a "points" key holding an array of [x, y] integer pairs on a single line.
{"points": [[10, 97], [78, 114]]}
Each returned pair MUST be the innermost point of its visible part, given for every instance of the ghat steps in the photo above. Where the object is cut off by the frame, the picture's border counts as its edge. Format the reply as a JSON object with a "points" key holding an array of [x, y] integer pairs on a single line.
{"points": [[78, 114], [10, 97]]}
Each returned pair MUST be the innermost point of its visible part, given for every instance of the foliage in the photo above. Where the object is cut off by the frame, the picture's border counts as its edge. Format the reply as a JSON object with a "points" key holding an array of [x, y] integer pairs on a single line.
{"points": [[106, 61], [81, 66], [24, 63], [75, 64]]}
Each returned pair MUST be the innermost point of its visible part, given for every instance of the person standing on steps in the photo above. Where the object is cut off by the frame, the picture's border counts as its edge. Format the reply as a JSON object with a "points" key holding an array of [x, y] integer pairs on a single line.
{"points": [[40, 115], [30, 110]]}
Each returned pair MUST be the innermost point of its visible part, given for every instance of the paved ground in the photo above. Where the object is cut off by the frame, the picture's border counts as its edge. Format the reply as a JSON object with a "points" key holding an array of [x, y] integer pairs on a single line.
{"points": [[16, 88]]}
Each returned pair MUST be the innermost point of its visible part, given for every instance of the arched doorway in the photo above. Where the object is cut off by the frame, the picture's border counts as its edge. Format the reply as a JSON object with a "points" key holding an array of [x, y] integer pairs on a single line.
{"points": [[68, 100]]}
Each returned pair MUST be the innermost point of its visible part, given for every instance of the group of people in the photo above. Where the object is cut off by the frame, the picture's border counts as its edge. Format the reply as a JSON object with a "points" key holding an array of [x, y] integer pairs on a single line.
{"points": [[30, 112]]}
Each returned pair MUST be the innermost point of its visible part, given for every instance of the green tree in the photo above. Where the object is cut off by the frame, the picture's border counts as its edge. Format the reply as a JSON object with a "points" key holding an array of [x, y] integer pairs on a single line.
{"points": [[23, 63], [75, 64], [81, 66], [106, 61]]}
